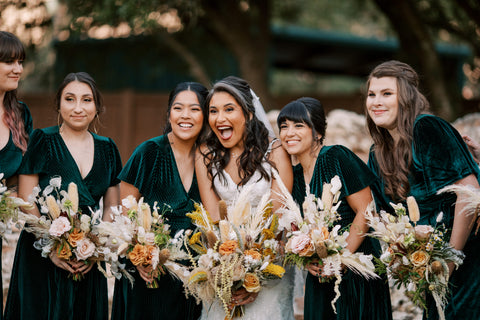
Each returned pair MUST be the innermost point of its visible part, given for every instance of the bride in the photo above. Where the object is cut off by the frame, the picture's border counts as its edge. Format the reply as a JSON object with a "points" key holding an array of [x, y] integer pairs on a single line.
{"points": [[238, 152]]}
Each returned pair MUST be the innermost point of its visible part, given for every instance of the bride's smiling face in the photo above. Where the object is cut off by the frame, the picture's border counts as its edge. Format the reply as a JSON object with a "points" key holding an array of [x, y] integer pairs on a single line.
{"points": [[227, 120]]}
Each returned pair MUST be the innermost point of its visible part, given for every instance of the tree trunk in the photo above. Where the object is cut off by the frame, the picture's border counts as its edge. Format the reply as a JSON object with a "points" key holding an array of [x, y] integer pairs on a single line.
{"points": [[419, 47], [246, 32]]}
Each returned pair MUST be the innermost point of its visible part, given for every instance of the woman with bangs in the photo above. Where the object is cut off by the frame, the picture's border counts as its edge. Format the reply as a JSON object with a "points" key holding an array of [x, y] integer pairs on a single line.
{"points": [[417, 154], [16, 121], [302, 126], [44, 287], [162, 170], [240, 151]]}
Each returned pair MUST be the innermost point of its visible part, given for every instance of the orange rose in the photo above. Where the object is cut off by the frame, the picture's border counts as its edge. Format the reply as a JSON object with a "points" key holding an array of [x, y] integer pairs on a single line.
{"points": [[253, 253], [420, 273], [75, 236], [138, 254], [64, 252], [251, 282], [228, 247], [419, 258]]}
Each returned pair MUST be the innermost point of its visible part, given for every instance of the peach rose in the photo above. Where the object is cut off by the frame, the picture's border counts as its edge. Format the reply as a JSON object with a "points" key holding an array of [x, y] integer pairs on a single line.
{"points": [[301, 245], [138, 254], [325, 233], [65, 252], [85, 249], [251, 282], [253, 253], [423, 232], [419, 258], [228, 247], [75, 236], [420, 273]]}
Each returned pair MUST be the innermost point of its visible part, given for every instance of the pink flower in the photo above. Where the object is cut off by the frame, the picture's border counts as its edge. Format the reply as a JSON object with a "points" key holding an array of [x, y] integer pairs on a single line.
{"points": [[301, 245], [59, 226], [85, 249]]}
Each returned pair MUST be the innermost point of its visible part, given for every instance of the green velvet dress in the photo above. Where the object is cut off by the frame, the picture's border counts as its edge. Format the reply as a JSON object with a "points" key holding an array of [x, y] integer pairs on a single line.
{"points": [[153, 170], [10, 160], [360, 298], [440, 158], [39, 289]]}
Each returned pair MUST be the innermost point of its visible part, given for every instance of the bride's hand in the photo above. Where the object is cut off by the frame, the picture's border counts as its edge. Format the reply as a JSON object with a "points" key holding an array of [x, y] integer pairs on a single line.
{"points": [[61, 263], [242, 297]]}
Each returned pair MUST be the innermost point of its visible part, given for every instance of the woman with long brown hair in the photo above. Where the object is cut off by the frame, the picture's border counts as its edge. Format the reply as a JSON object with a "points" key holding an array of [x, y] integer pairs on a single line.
{"points": [[417, 154], [16, 121]]}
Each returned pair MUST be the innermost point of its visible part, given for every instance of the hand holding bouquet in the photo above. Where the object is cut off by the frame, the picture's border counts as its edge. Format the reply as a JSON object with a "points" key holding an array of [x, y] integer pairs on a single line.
{"points": [[317, 236], [241, 252], [416, 256], [63, 231], [9, 208]]}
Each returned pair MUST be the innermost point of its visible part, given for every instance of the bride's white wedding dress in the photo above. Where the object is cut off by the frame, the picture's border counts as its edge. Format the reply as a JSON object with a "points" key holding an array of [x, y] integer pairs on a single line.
{"points": [[275, 300]]}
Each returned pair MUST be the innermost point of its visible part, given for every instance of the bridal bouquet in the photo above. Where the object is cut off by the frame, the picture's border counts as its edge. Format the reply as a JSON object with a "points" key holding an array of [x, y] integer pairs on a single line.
{"points": [[62, 228], [240, 252], [416, 256], [9, 208], [143, 237], [317, 235]]}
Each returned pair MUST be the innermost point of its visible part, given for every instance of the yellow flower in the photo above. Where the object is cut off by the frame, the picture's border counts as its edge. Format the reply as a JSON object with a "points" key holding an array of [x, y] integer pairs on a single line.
{"points": [[419, 258], [267, 234], [195, 238], [274, 224], [251, 282], [275, 270]]}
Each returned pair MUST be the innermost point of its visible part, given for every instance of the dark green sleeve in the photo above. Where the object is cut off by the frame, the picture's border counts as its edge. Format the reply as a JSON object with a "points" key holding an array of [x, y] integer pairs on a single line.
{"points": [[27, 118], [352, 171], [440, 154], [139, 166], [116, 162], [37, 155]]}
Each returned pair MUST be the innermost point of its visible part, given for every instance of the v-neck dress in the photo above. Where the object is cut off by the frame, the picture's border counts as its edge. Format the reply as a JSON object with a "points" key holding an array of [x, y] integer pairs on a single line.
{"points": [[39, 289], [10, 160], [441, 158], [153, 171], [360, 298]]}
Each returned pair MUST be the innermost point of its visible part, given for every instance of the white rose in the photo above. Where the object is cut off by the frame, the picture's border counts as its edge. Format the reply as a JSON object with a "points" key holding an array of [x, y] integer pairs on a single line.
{"points": [[150, 238], [59, 226], [85, 249]]}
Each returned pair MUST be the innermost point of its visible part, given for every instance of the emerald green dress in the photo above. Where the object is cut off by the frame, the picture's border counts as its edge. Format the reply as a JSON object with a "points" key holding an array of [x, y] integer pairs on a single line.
{"points": [[360, 298], [440, 158], [153, 171], [10, 160], [39, 289]]}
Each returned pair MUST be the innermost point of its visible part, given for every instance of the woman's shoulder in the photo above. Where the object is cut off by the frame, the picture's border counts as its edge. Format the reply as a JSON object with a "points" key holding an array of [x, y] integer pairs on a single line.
{"points": [[155, 145], [426, 121], [337, 151]]}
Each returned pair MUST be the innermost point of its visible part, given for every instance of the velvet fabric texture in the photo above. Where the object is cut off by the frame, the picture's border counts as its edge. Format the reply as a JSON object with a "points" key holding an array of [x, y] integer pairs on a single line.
{"points": [[10, 160], [39, 289], [153, 171], [360, 298], [441, 158]]}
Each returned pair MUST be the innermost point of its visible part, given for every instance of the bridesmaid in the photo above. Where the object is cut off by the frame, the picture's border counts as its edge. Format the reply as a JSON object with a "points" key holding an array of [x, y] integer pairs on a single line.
{"points": [[417, 154], [302, 127], [162, 170], [16, 121], [43, 288]]}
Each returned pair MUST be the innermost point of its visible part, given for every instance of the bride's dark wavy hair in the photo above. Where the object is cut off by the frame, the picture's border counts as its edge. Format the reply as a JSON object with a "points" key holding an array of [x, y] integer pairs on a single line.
{"points": [[255, 137]]}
